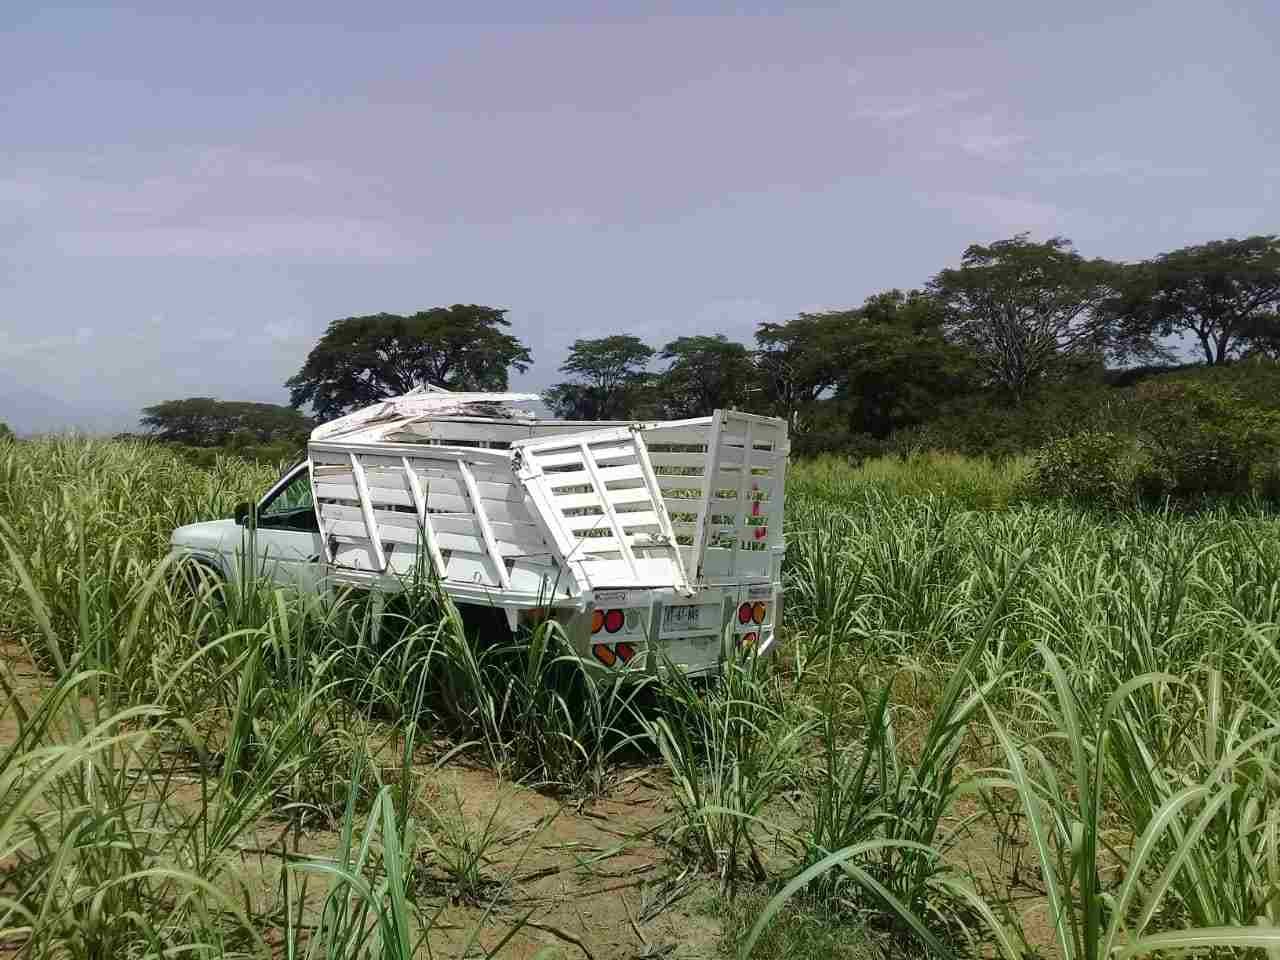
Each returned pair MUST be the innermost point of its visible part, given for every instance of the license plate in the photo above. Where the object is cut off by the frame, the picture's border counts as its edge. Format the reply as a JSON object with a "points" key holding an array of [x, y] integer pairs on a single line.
{"points": [[681, 617]]}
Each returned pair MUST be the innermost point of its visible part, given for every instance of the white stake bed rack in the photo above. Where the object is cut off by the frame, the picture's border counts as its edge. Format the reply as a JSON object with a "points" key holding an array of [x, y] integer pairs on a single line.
{"points": [[590, 519]]}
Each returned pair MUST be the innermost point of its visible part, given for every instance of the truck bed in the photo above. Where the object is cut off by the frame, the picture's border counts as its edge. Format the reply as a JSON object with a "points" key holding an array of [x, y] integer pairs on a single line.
{"points": [[520, 514]]}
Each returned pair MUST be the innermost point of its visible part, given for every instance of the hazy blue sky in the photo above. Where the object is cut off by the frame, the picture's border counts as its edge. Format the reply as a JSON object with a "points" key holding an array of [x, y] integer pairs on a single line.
{"points": [[188, 196]]}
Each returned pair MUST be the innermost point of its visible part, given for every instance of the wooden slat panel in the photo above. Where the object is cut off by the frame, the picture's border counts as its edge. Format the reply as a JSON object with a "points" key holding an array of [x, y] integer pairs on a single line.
{"points": [[388, 497], [690, 487], [639, 518], [681, 511], [486, 528], [591, 545], [577, 478], [682, 436], [550, 460], [354, 530], [465, 567], [329, 490], [661, 459], [462, 542], [331, 470], [602, 452], [586, 527], [705, 490], [514, 539], [546, 428], [509, 510], [730, 456], [579, 501], [366, 510], [624, 495], [612, 451], [420, 510], [435, 484]]}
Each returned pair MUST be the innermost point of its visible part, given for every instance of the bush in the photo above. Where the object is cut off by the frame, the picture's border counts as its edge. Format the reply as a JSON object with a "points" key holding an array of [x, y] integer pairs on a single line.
{"points": [[1092, 466], [6, 435], [1266, 480], [986, 426], [1205, 438]]}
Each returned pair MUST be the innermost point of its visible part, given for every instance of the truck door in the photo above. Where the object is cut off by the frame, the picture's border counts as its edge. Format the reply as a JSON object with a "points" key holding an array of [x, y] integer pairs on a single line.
{"points": [[287, 546]]}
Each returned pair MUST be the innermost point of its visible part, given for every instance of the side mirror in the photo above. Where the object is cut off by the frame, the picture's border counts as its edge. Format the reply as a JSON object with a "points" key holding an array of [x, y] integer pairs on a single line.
{"points": [[244, 510]]}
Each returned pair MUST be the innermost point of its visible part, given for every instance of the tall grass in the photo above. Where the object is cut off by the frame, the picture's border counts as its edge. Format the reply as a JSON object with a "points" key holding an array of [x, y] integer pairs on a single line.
{"points": [[176, 725], [1107, 683]]}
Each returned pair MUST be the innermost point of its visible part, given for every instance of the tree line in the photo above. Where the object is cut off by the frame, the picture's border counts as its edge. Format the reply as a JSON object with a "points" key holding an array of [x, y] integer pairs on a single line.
{"points": [[1015, 318]]}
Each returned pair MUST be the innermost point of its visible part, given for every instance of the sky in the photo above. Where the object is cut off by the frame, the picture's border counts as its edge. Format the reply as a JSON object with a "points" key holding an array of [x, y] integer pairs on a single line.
{"points": [[190, 193]]}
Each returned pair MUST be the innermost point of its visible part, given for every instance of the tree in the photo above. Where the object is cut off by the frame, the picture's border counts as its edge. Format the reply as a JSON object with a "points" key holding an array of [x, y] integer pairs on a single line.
{"points": [[609, 378], [208, 422], [705, 374], [896, 364], [1216, 292], [1030, 311], [361, 360], [885, 364], [6, 434], [1262, 336], [797, 364]]}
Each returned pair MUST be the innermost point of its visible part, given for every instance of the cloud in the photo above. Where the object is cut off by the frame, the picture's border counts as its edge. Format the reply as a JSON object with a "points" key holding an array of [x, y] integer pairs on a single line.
{"points": [[949, 119], [284, 331], [211, 202], [300, 238], [737, 317], [894, 109], [20, 195], [1111, 165], [989, 145], [82, 337], [213, 334], [1006, 214]]}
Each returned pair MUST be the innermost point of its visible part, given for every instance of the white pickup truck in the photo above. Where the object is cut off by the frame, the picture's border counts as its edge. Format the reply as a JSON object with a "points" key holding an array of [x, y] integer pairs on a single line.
{"points": [[639, 538]]}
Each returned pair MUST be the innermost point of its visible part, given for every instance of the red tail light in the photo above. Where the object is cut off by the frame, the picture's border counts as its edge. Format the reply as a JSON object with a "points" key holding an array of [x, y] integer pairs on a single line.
{"points": [[613, 621], [744, 613]]}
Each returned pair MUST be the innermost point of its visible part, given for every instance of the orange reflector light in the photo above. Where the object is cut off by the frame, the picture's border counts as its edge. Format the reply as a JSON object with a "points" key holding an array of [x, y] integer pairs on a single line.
{"points": [[613, 621], [744, 613], [604, 654], [597, 621], [758, 612], [626, 651]]}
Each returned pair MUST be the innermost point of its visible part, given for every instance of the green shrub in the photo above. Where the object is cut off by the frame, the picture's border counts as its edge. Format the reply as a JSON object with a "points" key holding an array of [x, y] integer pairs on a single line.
{"points": [[1265, 480], [1091, 466], [987, 426], [1206, 438]]}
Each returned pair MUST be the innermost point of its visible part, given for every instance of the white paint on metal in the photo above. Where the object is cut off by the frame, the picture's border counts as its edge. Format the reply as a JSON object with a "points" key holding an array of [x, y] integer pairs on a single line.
{"points": [[424, 520], [366, 508]]}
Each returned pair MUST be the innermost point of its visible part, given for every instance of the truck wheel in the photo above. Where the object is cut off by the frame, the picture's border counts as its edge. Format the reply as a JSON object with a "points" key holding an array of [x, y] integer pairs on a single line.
{"points": [[196, 579]]}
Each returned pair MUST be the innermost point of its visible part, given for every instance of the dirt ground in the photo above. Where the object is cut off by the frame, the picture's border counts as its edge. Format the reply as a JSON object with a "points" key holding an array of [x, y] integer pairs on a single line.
{"points": [[589, 879]]}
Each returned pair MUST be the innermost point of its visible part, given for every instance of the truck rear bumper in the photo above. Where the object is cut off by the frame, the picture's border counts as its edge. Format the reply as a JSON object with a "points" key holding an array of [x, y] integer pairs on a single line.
{"points": [[646, 629]]}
